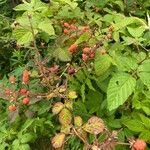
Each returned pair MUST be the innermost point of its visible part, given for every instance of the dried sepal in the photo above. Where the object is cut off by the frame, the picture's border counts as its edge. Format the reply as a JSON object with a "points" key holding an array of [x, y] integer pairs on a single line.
{"points": [[58, 140], [78, 121], [94, 125], [72, 95], [57, 107], [65, 117], [82, 133], [65, 129], [69, 104]]}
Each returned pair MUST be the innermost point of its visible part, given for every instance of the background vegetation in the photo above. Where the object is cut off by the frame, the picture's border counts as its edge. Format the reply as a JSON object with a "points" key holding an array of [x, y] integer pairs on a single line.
{"points": [[75, 74]]}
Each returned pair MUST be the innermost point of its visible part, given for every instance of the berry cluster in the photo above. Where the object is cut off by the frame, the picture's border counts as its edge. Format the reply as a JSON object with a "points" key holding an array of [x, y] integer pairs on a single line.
{"points": [[70, 28], [109, 33], [13, 43], [87, 53], [15, 95], [138, 144]]}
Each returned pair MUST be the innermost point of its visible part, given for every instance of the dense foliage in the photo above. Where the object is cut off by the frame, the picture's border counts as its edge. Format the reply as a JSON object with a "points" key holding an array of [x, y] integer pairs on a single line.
{"points": [[75, 74]]}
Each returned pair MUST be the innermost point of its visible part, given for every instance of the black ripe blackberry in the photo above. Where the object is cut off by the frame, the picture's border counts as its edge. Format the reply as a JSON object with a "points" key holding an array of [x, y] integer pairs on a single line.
{"points": [[13, 43], [71, 71], [45, 1]]}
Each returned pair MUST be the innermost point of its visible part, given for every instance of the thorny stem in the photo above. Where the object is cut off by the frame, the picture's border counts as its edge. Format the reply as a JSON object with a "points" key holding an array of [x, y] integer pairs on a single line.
{"points": [[144, 47], [98, 44], [121, 143], [37, 54], [68, 65], [84, 141]]}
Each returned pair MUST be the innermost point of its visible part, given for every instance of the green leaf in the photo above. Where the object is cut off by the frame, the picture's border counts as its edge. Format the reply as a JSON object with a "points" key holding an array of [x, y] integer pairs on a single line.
{"points": [[145, 66], [120, 88], [62, 54], [83, 92], [89, 84], [125, 63], [120, 4], [72, 4], [47, 27], [34, 5], [145, 120], [80, 109], [84, 37], [27, 137], [134, 125], [94, 99], [123, 22], [114, 123], [27, 124], [146, 110], [24, 147], [102, 64], [23, 36], [23, 7], [145, 135], [145, 77], [38, 5], [116, 36], [80, 75], [136, 32], [144, 73], [15, 144], [18, 71]]}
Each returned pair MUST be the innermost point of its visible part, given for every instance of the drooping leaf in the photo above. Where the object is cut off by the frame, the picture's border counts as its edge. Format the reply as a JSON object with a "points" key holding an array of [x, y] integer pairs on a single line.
{"points": [[120, 88]]}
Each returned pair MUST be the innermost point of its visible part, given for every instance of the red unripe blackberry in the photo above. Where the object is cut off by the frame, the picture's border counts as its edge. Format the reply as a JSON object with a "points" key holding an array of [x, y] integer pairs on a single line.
{"points": [[26, 101], [23, 91], [86, 50], [12, 107], [12, 79]]}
